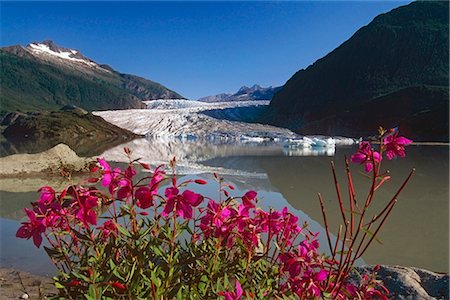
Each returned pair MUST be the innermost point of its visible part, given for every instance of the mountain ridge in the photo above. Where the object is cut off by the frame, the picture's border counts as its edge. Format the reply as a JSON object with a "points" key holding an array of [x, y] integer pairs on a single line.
{"points": [[255, 92], [44, 76], [403, 50]]}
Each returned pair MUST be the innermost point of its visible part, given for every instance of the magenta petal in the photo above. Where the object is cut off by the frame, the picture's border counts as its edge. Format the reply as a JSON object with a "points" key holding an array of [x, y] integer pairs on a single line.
{"points": [[144, 197], [91, 202], [24, 231], [358, 158], [106, 180], [368, 167], [226, 212], [168, 208], [243, 210], [123, 192], [47, 195], [403, 141], [321, 275], [91, 217], [37, 239], [192, 198], [238, 290], [376, 156], [390, 154], [123, 182], [213, 205], [251, 195], [171, 192], [31, 214], [401, 153], [104, 164], [184, 209]]}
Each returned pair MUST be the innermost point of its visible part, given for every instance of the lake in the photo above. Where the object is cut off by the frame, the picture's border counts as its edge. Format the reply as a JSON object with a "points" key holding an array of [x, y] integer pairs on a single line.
{"points": [[416, 234]]}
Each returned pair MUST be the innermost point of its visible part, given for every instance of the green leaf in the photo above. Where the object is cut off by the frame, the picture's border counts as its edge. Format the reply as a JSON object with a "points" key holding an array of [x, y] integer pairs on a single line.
{"points": [[58, 285], [81, 236], [53, 253], [370, 233], [123, 231], [81, 276], [203, 284]]}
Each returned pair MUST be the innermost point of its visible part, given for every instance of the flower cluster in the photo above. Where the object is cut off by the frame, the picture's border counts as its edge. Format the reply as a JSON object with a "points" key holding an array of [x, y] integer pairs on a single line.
{"points": [[145, 234], [390, 143]]}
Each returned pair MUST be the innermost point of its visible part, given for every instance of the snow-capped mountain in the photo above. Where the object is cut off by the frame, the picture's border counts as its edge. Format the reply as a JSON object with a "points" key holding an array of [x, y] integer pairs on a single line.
{"points": [[256, 92], [48, 49], [45, 76]]}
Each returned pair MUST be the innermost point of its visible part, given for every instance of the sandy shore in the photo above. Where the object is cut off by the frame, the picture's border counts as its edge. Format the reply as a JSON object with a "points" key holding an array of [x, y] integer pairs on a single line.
{"points": [[17, 284]]}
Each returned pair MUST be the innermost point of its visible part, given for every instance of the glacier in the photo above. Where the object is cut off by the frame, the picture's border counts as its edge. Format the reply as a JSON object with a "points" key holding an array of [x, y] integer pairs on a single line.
{"points": [[179, 128], [187, 119]]}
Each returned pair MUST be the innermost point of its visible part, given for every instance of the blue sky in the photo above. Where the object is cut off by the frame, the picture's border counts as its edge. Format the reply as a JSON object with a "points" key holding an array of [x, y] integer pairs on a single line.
{"points": [[194, 48]]}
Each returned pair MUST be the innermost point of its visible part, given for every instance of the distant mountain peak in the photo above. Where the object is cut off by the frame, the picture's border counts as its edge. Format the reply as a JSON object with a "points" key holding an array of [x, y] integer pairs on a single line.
{"points": [[46, 76], [245, 93], [50, 49]]}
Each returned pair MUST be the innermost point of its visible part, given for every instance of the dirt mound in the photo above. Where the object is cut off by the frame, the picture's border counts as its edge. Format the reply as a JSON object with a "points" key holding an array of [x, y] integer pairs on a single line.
{"points": [[53, 161]]}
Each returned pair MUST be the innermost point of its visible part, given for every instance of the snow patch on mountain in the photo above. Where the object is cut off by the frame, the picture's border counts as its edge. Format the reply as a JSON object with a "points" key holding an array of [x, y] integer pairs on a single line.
{"points": [[254, 93], [69, 54]]}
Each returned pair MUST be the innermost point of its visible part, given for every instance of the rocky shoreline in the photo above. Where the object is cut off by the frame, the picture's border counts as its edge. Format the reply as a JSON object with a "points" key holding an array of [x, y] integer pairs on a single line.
{"points": [[402, 282], [16, 284], [412, 283]]}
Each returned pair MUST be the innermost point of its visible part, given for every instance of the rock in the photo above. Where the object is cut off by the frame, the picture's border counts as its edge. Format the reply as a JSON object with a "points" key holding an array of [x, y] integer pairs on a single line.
{"points": [[412, 283], [53, 161], [16, 284]]}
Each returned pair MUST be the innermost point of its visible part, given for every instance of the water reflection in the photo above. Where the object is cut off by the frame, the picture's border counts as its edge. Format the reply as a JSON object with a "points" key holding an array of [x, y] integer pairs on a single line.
{"points": [[191, 154], [415, 235]]}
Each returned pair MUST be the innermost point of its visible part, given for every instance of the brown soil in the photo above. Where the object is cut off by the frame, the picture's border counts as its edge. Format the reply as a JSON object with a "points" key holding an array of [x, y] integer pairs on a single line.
{"points": [[17, 284]]}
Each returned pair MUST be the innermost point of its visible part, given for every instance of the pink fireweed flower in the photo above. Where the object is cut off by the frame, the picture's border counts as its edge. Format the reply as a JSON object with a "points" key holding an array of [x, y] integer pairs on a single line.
{"points": [[109, 176], [216, 220], [182, 203], [233, 295], [158, 176], [395, 145], [47, 195], [144, 197], [321, 275], [125, 188], [130, 172], [108, 228], [248, 198], [366, 155], [289, 226], [34, 228], [247, 203], [85, 212], [268, 221]]}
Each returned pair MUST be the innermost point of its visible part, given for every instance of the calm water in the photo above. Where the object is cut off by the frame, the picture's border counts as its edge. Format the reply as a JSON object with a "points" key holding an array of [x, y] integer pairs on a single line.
{"points": [[416, 234]]}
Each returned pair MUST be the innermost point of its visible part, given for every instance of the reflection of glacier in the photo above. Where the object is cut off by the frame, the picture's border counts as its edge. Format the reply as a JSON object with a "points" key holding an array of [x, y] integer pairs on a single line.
{"points": [[195, 156], [312, 151], [189, 154]]}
